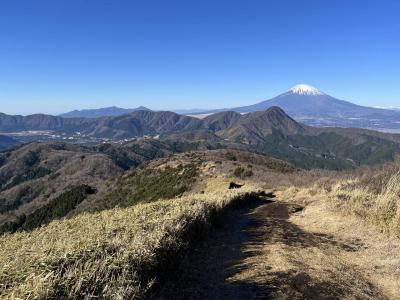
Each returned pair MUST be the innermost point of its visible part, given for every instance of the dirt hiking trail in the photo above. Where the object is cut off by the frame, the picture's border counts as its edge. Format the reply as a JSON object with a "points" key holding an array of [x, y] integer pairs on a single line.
{"points": [[258, 252]]}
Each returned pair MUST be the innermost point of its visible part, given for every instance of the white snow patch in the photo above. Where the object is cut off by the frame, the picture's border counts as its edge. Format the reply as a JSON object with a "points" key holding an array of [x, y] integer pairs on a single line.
{"points": [[304, 89]]}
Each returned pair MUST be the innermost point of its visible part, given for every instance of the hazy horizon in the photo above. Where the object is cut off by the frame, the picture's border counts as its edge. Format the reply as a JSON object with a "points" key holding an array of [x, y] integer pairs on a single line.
{"points": [[198, 108]]}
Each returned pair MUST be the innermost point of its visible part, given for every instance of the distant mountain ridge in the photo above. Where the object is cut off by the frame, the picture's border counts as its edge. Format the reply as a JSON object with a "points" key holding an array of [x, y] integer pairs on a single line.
{"points": [[302, 102], [151, 123], [135, 124], [270, 132], [101, 112]]}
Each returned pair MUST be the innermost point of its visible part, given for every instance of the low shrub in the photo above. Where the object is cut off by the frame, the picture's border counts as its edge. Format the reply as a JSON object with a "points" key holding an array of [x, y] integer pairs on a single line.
{"points": [[242, 173], [149, 185], [29, 174], [231, 156], [57, 208]]}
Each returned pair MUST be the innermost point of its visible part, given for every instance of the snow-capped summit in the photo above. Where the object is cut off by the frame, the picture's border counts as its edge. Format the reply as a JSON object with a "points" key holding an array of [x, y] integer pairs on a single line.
{"points": [[304, 89]]}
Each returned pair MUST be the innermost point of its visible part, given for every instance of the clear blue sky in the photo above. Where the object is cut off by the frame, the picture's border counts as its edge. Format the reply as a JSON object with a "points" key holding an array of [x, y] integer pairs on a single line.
{"points": [[58, 55]]}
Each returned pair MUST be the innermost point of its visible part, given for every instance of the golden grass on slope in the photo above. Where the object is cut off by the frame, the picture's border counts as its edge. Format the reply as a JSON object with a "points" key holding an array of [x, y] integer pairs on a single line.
{"points": [[114, 253], [387, 208], [373, 195]]}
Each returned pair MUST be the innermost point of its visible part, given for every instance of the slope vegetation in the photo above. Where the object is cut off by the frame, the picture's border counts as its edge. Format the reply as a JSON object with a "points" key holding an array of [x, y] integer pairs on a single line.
{"points": [[40, 175]]}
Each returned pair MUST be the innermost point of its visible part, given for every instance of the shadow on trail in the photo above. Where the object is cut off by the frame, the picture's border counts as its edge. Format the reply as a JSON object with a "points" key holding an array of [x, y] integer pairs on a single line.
{"points": [[207, 271]]}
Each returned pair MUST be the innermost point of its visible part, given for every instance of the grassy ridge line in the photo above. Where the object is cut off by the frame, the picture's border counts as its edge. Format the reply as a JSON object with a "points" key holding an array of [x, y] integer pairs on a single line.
{"points": [[115, 253]]}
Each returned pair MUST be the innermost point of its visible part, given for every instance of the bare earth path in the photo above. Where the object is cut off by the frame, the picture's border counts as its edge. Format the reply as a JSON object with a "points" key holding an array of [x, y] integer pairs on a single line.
{"points": [[258, 252]]}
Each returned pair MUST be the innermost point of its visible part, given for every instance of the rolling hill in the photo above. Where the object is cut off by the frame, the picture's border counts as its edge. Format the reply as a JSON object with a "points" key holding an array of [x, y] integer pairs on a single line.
{"points": [[138, 123], [274, 133], [17, 123], [44, 174], [255, 127]]}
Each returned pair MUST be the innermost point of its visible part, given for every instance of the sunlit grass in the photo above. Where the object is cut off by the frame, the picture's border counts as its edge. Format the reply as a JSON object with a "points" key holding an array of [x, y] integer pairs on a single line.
{"points": [[113, 253], [377, 202]]}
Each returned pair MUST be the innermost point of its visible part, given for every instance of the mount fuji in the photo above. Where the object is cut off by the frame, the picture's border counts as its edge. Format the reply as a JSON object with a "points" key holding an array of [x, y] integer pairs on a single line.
{"points": [[306, 101], [313, 107]]}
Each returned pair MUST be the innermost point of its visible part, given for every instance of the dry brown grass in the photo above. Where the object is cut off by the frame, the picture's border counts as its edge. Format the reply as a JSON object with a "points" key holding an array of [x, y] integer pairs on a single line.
{"points": [[356, 246], [114, 253], [372, 194], [360, 207], [387, 206]]}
